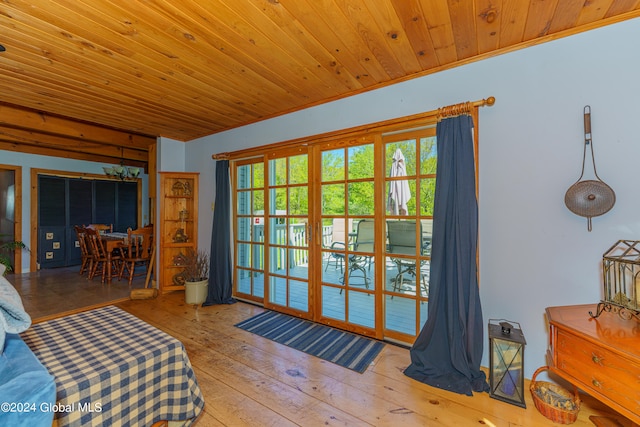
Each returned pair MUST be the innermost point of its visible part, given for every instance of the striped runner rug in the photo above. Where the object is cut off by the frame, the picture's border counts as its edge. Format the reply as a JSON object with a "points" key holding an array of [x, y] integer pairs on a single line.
{"points": [[349, 350]]}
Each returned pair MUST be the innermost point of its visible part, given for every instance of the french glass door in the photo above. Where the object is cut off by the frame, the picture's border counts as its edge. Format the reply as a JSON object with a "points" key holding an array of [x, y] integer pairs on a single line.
{"points": [[350, 235], [410, 175], [335, 234], [272, 231], [287, 226], [249, 229]]}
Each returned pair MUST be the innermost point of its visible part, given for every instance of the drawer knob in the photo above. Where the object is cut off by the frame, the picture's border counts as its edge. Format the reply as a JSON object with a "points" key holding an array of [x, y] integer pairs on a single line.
{"points": [[595, 383], [596, 359]]}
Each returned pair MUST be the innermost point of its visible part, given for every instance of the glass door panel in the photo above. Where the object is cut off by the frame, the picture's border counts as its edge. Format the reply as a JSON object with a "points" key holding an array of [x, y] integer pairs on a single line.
{"points": [[348, 197], [249, 233], [288, 231], [410, 165]]}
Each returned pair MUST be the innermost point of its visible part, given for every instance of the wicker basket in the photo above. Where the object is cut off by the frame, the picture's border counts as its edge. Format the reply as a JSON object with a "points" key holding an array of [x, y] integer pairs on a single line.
{"points": [[553, 401]]}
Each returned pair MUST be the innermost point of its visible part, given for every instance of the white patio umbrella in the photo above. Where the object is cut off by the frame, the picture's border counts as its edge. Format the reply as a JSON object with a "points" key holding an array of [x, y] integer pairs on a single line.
{"points": [[399, 192]]}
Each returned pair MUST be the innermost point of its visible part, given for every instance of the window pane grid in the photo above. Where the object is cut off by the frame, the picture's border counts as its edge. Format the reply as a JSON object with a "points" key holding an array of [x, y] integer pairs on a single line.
{"points": [[352, 182]]}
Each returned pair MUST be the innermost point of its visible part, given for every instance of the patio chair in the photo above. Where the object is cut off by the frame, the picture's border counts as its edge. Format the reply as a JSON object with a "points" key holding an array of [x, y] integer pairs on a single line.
{"points": [[402, 241], [427, 234], [337, 258], [360, 263], [338, 239]]}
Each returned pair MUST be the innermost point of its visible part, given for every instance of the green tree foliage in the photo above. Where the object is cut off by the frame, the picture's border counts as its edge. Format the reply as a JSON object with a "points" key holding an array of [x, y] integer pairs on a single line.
{"points": [[291, 172], [333, 187], [427, 167], [347, 179], [361, 193], [298, 175]]}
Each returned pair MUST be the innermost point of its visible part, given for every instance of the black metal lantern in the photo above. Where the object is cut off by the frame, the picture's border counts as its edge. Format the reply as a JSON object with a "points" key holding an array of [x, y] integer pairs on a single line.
{"points": [[506, 370]]}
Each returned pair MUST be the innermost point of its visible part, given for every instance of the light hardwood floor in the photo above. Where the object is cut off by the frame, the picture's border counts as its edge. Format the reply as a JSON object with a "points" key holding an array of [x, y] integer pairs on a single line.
{"points": [[247, 380]]}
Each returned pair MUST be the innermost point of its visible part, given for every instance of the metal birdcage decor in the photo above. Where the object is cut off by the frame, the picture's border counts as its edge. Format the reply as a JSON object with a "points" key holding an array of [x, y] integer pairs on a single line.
{"points": [[621, 271]]}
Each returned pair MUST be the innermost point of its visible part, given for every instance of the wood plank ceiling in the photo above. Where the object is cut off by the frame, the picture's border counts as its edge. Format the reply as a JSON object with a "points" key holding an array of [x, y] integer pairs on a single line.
{"points": [[189, 68]]}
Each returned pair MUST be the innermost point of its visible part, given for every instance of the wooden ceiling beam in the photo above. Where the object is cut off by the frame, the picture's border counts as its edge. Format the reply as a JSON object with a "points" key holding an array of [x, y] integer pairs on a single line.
{"points": [[11, 116], [21, 136], [54, 152]]}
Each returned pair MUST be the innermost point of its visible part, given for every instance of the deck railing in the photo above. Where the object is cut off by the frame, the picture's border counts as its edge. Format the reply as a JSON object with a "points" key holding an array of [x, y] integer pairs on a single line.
{"points": [[294, 236]]}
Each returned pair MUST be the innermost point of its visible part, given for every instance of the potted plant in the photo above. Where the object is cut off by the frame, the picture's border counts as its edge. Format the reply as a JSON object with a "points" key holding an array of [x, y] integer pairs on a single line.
{"points": [[6, 248], [196, 276]]}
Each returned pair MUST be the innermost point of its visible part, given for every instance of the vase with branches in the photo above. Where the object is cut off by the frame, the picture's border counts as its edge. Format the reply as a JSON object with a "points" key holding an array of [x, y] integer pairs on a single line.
{"points": [[196, 276], [196, 266]]}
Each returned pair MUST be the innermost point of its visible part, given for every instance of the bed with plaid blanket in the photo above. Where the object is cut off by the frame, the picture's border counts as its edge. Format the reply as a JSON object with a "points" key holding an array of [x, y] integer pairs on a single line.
{"points": [[111, 368]]}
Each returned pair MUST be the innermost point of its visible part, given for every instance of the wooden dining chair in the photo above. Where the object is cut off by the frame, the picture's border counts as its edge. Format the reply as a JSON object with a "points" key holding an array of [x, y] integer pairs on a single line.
{"points": [[99, 255], [85, 254], [136, 252]]}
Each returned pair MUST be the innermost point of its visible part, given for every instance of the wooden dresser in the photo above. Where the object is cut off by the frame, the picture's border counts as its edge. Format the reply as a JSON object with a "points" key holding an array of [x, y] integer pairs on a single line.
{"points": [[600, 356]]}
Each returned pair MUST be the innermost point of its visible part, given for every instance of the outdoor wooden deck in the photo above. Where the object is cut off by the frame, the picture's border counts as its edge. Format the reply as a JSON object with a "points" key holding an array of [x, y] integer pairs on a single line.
{"points": [[399, 312]]}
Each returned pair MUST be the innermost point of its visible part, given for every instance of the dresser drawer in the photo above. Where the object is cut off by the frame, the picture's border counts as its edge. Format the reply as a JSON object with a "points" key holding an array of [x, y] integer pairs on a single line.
{"points": [[604, 372]]}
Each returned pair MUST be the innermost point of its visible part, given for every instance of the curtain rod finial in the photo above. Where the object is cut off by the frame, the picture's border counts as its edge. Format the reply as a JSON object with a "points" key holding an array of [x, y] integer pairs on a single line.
{"points": [[490, 101]]}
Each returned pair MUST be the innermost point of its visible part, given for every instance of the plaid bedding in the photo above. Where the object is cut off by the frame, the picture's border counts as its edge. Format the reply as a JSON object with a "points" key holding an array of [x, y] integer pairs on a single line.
{"points": [[112, 368]]}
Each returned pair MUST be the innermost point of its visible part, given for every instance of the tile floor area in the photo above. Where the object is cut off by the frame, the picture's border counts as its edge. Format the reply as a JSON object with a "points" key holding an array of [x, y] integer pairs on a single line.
{"points": [[57, 290]]}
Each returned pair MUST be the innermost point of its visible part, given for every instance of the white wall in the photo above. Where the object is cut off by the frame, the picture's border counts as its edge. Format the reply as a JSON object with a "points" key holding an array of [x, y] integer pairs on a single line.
{"points": [[31, 161], [534, 252], [170, 155]]}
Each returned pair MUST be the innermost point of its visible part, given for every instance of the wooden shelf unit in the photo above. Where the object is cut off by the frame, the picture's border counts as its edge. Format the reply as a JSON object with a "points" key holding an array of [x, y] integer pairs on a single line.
{"points": [[178, 200]]}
